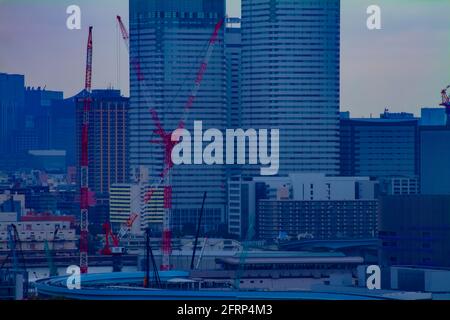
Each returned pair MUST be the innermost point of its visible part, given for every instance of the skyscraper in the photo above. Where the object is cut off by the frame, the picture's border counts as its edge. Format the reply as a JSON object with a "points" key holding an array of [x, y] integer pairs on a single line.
{"points": [[11, 109], [169, 39], [233, 54], [290, 79], [37, 131], [434, 160], [414, 230], [108, 145]]}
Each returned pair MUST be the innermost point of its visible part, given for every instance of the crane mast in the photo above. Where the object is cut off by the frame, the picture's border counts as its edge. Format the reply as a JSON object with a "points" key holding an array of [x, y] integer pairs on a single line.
{"points": [[84, 161]]}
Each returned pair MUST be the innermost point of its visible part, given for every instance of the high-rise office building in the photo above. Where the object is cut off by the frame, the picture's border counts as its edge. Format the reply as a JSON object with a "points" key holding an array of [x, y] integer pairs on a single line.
{"points": [[169, 38], [108, 145], [290, 79], [434, 160], [233, 54], [433, 117], [415, 230], [62, 129], [37, 118], [380, 147], [12, 102]]}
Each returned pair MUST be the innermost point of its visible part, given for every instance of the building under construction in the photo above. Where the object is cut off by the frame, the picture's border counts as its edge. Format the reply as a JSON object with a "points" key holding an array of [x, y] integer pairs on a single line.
{"points": [[108, 146]]}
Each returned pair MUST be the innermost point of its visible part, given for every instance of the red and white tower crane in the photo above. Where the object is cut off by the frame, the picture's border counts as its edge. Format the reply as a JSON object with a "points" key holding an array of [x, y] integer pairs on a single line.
{"points": [[445, 97], [84, 161], [165, 136], [446, 103]]}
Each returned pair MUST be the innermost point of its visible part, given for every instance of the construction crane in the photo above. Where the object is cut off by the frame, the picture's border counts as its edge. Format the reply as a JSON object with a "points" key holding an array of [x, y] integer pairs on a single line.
{"points": [[199, 224], [445, 97], [15, 247], [53, 271], [114, 248], [165, 137], [126, 227], [84, 165], [243, 255], [149, 255], [201, 253], [446, 103]]}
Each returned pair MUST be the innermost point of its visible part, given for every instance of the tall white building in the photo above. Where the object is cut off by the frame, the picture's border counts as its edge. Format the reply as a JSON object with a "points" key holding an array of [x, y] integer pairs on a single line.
{"points": [[169, 38], [290, 79]]}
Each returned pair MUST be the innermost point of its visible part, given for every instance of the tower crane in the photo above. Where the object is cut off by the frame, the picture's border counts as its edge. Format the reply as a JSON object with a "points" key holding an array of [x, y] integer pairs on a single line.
{"points": [[108, 249], [445, 97], [446, 103], [165, 136], [126, 227], [53, 271], [84, 161], [115, 250], [15, 247]]}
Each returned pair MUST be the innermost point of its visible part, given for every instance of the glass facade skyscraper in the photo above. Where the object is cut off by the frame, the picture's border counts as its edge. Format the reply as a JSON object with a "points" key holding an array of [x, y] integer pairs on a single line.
{"points": [[290, 79], [169, 38]]}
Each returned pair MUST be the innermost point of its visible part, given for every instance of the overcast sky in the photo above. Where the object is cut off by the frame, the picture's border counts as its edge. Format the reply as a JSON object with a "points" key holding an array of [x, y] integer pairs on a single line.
{"points": [[403, 66]]}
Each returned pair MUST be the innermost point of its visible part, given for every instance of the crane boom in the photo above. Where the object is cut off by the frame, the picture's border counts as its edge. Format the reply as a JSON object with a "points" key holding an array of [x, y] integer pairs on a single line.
{"points": [[124, 32]]}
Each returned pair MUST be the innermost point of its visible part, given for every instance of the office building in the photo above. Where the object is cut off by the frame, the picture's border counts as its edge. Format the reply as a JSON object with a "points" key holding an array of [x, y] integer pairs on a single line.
{"points": [[415, 230], [380, 147], [435, 159], [233, 55], [433, 117], [62, 130], [12, 103], [169, 38], [290, 80], [37, 126], [243, 195], [399, 185]]}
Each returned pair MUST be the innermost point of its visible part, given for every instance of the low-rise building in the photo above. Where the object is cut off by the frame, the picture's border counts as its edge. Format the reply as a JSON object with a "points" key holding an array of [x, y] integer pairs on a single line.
{"points": [[36, 229]]}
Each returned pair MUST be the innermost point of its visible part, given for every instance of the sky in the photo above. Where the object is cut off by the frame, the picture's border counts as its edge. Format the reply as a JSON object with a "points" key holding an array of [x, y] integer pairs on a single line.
{"points": [[401, 67]]}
